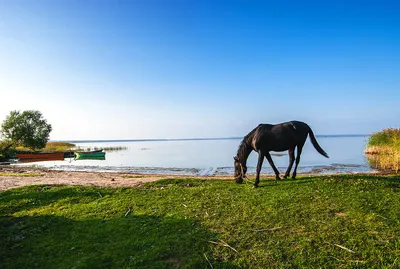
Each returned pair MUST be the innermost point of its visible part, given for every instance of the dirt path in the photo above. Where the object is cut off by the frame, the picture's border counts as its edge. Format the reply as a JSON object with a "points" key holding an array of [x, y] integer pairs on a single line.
{"points": [[13, 177]]}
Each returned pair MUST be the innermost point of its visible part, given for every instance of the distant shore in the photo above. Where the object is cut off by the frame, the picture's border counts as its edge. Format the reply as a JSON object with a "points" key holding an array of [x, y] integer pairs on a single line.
{"points": [[186, 139]]}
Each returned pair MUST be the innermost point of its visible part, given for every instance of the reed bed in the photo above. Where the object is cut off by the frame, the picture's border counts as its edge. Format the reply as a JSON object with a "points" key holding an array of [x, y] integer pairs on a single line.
{"points": [[108, 149], [114, 148], [58, 146], [65, 146], [50, 147], [383, 149]]}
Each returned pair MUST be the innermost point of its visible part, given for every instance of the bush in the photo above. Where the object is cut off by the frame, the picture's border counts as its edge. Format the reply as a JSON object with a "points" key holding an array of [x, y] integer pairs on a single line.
{"points": [[386, 137], [6, 152]]}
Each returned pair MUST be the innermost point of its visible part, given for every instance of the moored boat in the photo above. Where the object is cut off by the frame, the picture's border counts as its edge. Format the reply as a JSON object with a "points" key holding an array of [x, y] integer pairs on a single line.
{"points": [[42, 156], [94, 155]]}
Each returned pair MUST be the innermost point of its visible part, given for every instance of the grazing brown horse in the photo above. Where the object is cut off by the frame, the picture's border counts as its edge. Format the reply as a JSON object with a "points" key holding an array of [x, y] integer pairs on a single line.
{"points": [[280, 137]]}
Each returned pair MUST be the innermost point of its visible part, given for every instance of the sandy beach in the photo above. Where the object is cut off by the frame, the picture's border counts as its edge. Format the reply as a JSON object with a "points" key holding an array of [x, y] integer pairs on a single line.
{"points": [[17, 176]]}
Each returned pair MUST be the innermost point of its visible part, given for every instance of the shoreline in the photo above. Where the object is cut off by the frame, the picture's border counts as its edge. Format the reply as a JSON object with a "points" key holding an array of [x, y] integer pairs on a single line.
{"points": [[18, 176], [325, 169]]}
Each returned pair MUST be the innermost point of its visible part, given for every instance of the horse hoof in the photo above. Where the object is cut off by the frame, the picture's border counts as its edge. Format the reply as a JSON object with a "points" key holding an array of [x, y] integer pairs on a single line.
{"points": [[255, 186]]}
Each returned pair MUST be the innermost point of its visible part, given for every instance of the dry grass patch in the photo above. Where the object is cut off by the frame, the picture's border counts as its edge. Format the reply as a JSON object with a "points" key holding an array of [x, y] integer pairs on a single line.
{"points": [[2, 174]]}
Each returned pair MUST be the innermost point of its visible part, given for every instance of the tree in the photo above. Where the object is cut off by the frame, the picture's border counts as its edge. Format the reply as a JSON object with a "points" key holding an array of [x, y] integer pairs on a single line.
{"points": [[27, 128]]}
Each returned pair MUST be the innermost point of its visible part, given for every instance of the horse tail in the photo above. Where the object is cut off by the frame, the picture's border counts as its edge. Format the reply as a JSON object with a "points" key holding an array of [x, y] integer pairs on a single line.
{"points": [[315, 144]]}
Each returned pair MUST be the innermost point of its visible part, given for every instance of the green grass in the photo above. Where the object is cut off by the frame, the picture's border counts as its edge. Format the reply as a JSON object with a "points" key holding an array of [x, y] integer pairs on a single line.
{"points": [[350, 221]]}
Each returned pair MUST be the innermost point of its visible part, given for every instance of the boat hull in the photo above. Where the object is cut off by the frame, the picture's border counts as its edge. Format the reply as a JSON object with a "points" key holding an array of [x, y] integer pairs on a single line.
{"points": [[37, 157], [90, 155]]}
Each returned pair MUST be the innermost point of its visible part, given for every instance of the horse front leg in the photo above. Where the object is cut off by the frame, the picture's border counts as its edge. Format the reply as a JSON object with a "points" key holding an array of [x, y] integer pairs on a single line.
{"points": [[268, 156], [259, 165], [291, 161]]}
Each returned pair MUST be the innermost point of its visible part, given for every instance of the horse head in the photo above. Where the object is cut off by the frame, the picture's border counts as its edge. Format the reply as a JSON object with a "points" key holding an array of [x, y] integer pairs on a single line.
{"points": [[240, 169]]}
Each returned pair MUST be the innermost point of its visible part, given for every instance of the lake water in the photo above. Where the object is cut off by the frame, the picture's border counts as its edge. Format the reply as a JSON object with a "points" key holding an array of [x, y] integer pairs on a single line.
{"points": [[214, 157]]}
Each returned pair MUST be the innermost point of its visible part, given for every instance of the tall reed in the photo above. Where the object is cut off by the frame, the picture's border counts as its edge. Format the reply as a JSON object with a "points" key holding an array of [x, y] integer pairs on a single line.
{"points": [[383, 149]]}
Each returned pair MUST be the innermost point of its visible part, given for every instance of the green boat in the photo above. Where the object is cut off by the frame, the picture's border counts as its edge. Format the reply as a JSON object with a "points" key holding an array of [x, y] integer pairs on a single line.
{"points": [[90, 155]]}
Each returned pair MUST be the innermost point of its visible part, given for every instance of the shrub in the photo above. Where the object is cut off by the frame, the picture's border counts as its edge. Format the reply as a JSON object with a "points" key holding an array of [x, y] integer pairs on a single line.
{"points": [[386, 137], [383, 149], [6, 152]]}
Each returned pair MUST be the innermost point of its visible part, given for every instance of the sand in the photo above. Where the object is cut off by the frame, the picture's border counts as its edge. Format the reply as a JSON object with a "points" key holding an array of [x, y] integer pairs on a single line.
{"points": [[16, 176]]}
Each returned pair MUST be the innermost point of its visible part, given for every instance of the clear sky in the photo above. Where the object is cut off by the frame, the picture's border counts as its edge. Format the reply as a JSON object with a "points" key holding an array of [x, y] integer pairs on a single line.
{"points": [[110, 69]]}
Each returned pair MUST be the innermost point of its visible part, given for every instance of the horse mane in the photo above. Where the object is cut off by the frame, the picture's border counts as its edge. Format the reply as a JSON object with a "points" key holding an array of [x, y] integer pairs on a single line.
{"points": [[245, 146]]}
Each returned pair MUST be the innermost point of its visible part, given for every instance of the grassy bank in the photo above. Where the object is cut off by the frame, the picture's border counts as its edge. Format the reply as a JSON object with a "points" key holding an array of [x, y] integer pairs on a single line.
{"points": [[383, 149], [312, 222], [51, 147]]}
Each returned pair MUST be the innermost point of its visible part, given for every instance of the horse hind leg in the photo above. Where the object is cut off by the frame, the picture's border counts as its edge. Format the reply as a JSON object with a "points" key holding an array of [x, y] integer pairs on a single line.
{"points": [[268, 156], [299, 149], [291, 161]]}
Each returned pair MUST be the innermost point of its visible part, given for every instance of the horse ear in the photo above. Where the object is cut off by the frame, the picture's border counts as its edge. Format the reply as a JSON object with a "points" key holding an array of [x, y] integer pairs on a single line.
{"points": [[236, 158]]}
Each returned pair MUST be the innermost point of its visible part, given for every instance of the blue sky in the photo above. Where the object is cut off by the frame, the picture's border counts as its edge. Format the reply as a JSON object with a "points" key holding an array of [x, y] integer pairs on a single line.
{"points": [[179, 69]]}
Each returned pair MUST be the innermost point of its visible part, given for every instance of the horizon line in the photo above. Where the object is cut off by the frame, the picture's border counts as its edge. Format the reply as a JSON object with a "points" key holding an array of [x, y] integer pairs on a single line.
{"points": [[181, 139]]}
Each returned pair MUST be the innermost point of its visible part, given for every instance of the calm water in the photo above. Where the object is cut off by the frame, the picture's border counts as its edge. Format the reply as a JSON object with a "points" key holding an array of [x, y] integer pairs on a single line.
{"points": [[215, 157]]}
